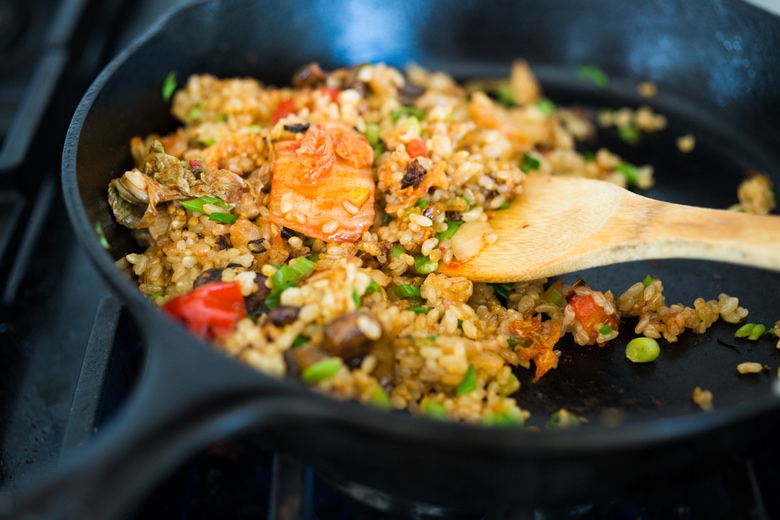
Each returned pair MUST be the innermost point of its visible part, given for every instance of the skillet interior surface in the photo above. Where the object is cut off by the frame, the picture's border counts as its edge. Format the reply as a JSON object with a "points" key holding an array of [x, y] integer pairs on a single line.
{"points": [[717, 66]]}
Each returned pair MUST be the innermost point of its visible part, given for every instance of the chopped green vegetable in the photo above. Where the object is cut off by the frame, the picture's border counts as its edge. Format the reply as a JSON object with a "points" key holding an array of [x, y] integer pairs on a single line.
{"points": [[424, 265], [647, 281], [434, 410], [419, 309], [321, 370], [373, 287], [642, 350], [169, 86], [102, 236], [156, 295], [506, 95], [422, 203], [554, 297], [606, 329], [197, 204], [223, 218], [195, 113], [410, 122], [757, 332], [589, 156], [502, 289], [511, 341], [398, 251], [745, 330], [530, 163], [469, 382], [629, 134], [395, 115], [594, 74], [545, 106], [407, 291], [505, 205], [629, 172], [452, 227], [287, 276], [379, 399], [299, 341], [372, 134], [356, 297], [563, 419]]}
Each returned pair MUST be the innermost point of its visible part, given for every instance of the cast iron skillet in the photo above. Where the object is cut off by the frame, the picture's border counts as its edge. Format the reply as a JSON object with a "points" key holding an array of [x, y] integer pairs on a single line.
{"points": [[717, 66]]}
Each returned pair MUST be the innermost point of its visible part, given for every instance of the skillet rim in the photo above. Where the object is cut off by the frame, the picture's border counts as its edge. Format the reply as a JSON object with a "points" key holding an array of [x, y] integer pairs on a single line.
{"points": [[646, 432]]}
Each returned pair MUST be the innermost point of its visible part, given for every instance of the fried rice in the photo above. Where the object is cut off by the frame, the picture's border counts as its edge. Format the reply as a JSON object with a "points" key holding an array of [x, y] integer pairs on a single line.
{"points": [[300, 229]]}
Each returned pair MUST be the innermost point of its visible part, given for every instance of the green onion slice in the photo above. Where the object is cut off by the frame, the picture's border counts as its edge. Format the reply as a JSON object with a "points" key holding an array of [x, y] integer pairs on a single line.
{"points": [[434, 410], [321, 370], [223, 218], [530, 163], [424, 265], [594, 74], [452, 227], [197, 204], [469, 382], [407, 291], [413, 111], [169, 86], [629, 172], [419, 309]]}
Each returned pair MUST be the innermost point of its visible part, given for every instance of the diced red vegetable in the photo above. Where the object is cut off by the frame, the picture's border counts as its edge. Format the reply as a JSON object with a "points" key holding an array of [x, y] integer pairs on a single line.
{"points": [[285, 108], [211, 310], [591, 316], [330, 91], [417, 148]]}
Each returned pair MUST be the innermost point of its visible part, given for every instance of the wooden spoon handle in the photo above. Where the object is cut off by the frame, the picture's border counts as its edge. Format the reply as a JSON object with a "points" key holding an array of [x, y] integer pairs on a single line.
{"points": [[673, 230]]}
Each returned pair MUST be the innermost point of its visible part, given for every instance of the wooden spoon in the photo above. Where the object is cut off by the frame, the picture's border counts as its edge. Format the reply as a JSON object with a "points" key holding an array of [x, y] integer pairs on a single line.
{"points": [[564, 224]]}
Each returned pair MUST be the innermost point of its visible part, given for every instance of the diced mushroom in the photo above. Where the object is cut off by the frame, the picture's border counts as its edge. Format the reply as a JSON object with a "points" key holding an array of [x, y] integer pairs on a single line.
{"points": [[255, 302], [209, 275], [283, 315], [351, 336]]}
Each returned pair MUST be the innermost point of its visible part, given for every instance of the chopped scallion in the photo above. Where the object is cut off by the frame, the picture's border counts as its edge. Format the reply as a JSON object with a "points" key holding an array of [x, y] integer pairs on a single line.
{"points": [[505, 205], [594, 74], [502, 289], [506, 95], [197, 204], [469, 382], [102, 236], [395, 115], [629, 134], [452, 227], [223, 218], [398, 251], [356, 297], [554, 297], [422, 203], [757, 332], [419, 309], [299, 341], [321, 370], [744, 331], [156, 295], [434, 410], [379, 399], [530, 163], [372, 134], [605, 330], [407, 291], [629, 172], [647, 281], [545, 106], [169, 86], [373, 287], [424, 265]]}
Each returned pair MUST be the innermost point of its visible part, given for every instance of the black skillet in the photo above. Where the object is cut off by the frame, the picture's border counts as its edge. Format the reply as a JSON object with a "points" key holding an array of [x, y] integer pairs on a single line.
{"points": [[717, 67]]}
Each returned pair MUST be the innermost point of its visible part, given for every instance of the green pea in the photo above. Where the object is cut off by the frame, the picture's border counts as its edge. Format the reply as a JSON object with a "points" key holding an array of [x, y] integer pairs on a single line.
{"points": [[321, 370], [642, 350]]}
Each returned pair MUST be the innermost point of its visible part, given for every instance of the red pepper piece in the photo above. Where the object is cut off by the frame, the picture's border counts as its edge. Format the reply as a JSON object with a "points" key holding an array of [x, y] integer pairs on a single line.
{"points": [[211, 310], [417, 148]]}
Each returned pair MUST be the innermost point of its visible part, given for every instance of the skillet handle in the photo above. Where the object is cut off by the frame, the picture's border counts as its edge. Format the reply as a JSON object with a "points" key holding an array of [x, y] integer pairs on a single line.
{"points": [[176, 409]]}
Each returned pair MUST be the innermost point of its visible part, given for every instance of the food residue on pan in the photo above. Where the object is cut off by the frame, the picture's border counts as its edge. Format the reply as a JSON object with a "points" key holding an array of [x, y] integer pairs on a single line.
{"points": [[301, 229]]}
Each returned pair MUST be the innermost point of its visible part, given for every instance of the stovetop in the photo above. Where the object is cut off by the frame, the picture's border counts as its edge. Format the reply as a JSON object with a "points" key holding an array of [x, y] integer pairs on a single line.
{"points": [[59, 324]]}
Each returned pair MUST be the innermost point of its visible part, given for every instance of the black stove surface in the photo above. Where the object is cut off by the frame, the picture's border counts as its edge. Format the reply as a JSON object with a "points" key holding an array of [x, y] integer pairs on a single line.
{"points": [[59, 324]]}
